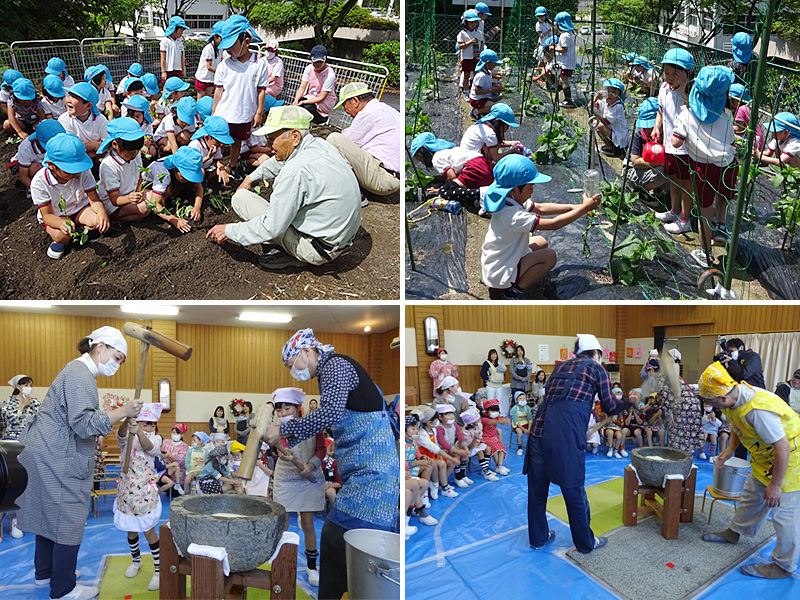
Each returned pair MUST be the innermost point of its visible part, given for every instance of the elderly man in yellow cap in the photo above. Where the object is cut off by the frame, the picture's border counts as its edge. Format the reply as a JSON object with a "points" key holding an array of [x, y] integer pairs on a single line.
{"points": [[770, 431], [313, 214], [372, 145]]}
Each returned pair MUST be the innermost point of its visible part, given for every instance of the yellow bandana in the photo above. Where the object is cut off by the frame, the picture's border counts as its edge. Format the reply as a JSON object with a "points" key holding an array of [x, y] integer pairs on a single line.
{"points": [[715, 381]]}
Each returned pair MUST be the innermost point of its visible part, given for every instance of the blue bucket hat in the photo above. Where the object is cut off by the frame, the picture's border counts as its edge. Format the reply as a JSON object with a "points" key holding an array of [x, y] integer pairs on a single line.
{"points": [[188, 161], [738, 91], [486, 57], [53, 85], [174, 84], [615, 83], [550, 41], [271, 102], [47, 130], [233, 28], [679, 57], [23, 89], [429, 141], [642, 60], [140, 103], [216, 30], [564, 21], [509, 172], [186, 109], [783, 121], [217, 128], [55, 66], [500, 111], [123, 128], [629, 56], [710, 92], [10, 76], [483, 8], [470, 15], [87, 92], [93, 71], [205, 105], [150, 82], [136, 69], [130, 81], [67, 152], [174, 23], [541, 11], [742, 47], [648, 110]]}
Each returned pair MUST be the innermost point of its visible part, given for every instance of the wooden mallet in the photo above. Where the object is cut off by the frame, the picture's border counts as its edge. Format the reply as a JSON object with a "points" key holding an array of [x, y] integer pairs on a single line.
{"points": [[148, 338]]}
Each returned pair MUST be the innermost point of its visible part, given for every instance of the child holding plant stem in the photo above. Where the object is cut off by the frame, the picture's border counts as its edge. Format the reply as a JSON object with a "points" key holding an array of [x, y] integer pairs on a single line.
{"points": [[168, 178], [120, 171]]}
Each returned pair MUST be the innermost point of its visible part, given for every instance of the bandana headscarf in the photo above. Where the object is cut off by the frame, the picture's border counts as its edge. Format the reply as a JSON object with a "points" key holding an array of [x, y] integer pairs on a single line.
{"points": [[303, 339], [110, 336], [490, 403], [411, 420], [202, 436], [424, 413], [180, 427], [15, 380], [715, 381]]}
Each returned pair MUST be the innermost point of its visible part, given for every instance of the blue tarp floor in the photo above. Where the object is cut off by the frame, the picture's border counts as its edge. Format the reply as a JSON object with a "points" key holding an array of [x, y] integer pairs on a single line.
{"points": [[479, 550]]}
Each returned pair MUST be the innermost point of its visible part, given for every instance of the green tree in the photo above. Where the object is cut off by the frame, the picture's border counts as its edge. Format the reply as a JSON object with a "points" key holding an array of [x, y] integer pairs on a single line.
{"points": [[787, 20]]}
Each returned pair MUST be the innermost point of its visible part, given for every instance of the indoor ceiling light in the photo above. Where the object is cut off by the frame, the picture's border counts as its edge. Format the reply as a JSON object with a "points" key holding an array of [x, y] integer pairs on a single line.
{"points": [[262, 317], [150, 309], [367, 328], [28, 304]]}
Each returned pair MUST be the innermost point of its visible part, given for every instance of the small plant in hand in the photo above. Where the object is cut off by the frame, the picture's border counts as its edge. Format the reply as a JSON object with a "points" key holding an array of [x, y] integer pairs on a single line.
{"points": [[79, 237], [152, 205], [14, 140]]}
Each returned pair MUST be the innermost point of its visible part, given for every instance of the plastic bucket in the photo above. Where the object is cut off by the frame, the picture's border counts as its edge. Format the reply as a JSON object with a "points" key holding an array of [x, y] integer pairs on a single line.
{"points": [[373, 564], [729, 480]]}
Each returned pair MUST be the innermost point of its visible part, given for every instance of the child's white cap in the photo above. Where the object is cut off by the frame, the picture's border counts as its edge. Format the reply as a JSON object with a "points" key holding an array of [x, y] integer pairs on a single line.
{"points": [[448, 382], [445, 408], [150, 412], [470, 416]]}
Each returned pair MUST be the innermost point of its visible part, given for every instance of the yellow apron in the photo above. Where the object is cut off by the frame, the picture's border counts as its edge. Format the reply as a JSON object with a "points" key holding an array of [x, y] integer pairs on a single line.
{"points": [[761, 454]]}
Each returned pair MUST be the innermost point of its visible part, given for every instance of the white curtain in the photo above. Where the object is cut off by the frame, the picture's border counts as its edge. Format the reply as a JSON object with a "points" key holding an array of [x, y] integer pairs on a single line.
{"points": [[780, 354]]}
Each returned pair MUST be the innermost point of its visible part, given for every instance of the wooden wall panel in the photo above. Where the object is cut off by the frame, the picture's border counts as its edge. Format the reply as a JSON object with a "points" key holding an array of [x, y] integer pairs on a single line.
{"points": [[424, 383], [721, 318], [537, 319]]}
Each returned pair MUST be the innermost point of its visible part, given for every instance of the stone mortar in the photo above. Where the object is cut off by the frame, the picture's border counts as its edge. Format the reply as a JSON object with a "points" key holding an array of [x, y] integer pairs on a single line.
{"points": [[651, 472], [249, 540]]}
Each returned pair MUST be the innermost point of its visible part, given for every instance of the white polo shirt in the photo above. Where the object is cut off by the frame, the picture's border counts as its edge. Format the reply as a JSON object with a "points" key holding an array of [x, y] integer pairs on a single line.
{"points": [[709, 143], [200, 144], [544, 29], [202, 73], [615, 115], [477, 136], [93, 129], [174, 51], [46, 190], [157, 168], [240, 81], [506, 243], [56, 109], [568, 60], [465, 36], [452, 158], [791, 146], [28, 153], [105, 96], [671, 104], [169, 125], [117, 175], [482, 79]]}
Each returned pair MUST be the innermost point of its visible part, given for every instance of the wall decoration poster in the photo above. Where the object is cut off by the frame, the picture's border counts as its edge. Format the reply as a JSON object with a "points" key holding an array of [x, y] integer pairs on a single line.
{"points": [[605, 353], [544, 353], [638, 352], [612, 357], [629, 352]]}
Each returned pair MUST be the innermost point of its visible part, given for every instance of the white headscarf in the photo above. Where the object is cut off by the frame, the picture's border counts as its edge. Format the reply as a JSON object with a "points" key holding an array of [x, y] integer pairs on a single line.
{"points": [[15, 380], [110, 336]]}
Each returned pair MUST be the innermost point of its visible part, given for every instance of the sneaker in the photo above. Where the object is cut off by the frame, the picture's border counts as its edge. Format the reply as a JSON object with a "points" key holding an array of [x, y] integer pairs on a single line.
{"points": [[721, 236], [133, 568], [94, 236], [433, 492], [313, 576], [466, 95], [617, 454], [624, 453], [450, 493], [474, 113], [610, 453], [520, 452], [712, 459], [425, 501], [566, 104], [551, 535], [702, 258], [428, 520], [47, 581], [467, 480], [276, 261], [461, 483], [599, 542], [667, 217], [410, 530], [702, 456], [56, 250], [154, 582], [177, 487], [502, 470], [81, 592], [678, 226], [15, 531], [490, 476]]}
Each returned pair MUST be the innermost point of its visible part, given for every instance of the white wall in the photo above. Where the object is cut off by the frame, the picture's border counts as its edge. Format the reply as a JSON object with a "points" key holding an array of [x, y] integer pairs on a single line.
{"points": [[410, 346], [644, 345]]}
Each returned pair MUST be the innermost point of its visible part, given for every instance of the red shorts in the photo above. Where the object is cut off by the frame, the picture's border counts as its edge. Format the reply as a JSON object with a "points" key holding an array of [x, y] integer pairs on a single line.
{"points": [[477, 172], [478, 103], [566, 72], [710, 180], [468, 65], [202, 86], [426, 452], [240, 131], [676, 166], [178, 74]]}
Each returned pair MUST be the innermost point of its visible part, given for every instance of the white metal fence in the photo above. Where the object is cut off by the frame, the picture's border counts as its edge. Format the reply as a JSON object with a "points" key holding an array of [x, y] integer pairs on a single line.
{"points": [[30, 58]]}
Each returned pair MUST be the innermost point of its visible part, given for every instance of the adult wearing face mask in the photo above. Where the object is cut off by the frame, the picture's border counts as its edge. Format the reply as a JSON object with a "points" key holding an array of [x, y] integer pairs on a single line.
{"points": [[352, 407], [440, 369], [59, 458], [789, 391], [557, 443], [743, 365], [449, 392], [15, 412], [683, 414], [314, 211]]}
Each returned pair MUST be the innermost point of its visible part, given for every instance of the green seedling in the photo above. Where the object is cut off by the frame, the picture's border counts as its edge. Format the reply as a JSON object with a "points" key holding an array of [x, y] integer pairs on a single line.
{"points": [[79, 237], [182, 211], [14, 140], [788, 217]]}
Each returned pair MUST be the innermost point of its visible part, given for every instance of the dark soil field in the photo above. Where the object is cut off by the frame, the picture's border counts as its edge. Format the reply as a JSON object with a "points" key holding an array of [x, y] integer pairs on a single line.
{"points": [[152, 260]]}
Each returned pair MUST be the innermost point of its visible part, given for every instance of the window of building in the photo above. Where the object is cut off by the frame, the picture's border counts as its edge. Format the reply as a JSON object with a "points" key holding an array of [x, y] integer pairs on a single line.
{"points": [[202, 21]]}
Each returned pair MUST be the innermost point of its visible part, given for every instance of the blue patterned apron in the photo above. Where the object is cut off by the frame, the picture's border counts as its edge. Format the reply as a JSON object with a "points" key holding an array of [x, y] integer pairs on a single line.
{"points": [[369, 466]]}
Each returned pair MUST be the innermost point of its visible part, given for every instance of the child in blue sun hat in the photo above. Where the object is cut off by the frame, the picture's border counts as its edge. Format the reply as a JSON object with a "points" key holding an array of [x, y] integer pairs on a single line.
{"points": [[469, 42], [57, 66], [745, 61], [176, 128], [546, 71], [482, 94], [709, 139], [6, 88], [565, 55], [171, 50], [647, 176], [64, 194], [483, 12], [82, 117], [544, 31], [644, 76], [784, 149], [119, 188], [31, 151], [169, 177], [487, 136], [612, 128], [209, 141], [25, 109], [138, 108], [204, 108], [97, 75], [512, 260], [136, 70], [210, 58], [53, 95]]}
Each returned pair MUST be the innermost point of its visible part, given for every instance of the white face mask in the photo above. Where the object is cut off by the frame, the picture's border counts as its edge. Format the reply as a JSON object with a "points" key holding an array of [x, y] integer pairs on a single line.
{"points": [[449, 420], [301, 374], [195, 445], [107, 369], [494, 414], [269, 54], [176, 437], [443, 357], [522, 403], [458, 390], [618, 396], [286, 419], [237, 461], [27, 391], [708, 409], [735, 355], [223, 461]]}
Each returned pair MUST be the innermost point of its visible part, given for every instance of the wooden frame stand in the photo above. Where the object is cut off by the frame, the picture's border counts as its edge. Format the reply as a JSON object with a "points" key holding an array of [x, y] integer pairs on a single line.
{"points": [[209, 582], [640, 501]]}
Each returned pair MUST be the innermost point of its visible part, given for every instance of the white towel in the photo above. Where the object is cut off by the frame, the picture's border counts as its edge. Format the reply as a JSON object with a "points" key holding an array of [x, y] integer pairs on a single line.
{"points": [[214, 552], [663, 483], [288, 537]]}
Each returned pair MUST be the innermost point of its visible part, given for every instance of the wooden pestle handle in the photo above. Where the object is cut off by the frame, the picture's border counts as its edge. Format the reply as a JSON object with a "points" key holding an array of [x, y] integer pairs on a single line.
{"points": [[300, 466]]}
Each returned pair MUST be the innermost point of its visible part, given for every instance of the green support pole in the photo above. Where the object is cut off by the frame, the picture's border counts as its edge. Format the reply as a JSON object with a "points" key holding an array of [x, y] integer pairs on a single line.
{"points": [[741, 196], [594, 63]]}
